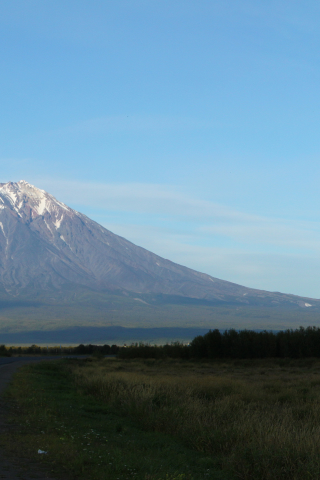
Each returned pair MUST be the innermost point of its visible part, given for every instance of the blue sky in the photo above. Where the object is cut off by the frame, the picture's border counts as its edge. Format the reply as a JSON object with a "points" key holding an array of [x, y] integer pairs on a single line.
{"points": [[190, 127]]}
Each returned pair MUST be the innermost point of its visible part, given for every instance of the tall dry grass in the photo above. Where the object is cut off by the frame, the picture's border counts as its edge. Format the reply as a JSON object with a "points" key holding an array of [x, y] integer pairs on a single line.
{"points": [[261, 424]]}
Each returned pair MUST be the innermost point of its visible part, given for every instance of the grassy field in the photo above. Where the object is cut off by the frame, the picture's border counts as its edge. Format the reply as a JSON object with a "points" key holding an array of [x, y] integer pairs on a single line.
{"points": [[154, 420]]}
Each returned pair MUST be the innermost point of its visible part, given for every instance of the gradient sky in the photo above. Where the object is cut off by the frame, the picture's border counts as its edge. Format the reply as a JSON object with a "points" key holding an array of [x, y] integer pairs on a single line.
{"points": [[190, 127]]}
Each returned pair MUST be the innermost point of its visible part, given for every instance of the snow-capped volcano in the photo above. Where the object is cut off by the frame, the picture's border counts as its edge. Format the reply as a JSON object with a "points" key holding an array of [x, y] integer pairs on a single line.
{"points": [[47, 246]]}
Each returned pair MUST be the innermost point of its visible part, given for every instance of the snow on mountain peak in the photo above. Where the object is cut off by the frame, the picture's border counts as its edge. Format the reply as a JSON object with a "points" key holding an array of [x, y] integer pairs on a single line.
{"points": [[22, 194]]}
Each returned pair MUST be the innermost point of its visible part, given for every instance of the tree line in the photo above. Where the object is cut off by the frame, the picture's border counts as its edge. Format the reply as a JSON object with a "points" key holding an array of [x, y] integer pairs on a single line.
{"points": [[299, 343], [59, 350]]}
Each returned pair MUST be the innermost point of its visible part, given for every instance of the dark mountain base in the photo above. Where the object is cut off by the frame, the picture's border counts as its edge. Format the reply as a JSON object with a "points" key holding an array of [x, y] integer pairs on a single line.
{"points": [[86, 316], [101, 335]]}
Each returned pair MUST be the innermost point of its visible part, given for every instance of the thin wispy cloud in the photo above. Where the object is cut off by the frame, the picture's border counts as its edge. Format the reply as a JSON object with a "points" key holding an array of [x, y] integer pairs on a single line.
{"points": [[239, 264], [132, 123], [201, 218], [282, 233], [143, 198]]}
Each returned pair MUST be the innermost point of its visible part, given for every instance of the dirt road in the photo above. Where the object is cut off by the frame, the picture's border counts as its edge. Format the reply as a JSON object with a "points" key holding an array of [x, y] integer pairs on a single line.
{"points": [[15, 468]]}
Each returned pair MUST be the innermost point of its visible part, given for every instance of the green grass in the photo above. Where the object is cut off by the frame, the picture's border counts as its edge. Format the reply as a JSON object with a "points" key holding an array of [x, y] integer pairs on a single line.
{"points": [[87, 438], [260, 418]]}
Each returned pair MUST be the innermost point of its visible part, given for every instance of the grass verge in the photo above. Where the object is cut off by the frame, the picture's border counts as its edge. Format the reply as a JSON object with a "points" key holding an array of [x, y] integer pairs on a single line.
{"points": [[259, 418], [88, 438]]}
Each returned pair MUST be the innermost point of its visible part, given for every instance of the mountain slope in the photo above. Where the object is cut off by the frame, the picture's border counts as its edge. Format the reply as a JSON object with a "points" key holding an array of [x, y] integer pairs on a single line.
{"points": [[45, 246]]}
